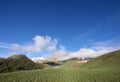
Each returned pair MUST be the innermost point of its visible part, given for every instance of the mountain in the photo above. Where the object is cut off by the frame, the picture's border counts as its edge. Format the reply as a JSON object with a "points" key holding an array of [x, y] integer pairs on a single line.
{"points": [[105, 68], [39, 59], [18, 63], [109, 60], [1, 58]]}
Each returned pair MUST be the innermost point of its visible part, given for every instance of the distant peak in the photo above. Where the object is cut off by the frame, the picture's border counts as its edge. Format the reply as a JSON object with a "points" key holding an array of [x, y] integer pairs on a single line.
{"points": [[16, 56]]}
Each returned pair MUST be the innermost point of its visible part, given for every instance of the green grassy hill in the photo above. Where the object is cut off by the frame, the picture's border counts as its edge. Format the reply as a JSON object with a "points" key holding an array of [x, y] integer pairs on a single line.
{"points": [[17, 63], [109, 60], [105, 68]]}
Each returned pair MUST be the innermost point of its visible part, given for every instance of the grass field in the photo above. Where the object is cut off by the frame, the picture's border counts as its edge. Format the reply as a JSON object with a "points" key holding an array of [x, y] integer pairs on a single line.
{"points": [[105, 68]]}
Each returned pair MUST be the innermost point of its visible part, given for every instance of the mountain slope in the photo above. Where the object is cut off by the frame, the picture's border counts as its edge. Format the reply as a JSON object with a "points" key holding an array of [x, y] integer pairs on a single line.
{"points": [[99, 69], [17, 63], [109, 60]]}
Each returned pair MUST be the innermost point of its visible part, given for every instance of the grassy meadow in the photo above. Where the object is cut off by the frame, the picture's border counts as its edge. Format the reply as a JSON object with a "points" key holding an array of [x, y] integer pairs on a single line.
{"points": [[105, 68]]}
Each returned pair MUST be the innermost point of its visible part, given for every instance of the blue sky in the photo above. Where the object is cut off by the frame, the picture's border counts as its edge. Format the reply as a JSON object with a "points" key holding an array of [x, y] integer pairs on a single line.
{"points": [[70, 24]]}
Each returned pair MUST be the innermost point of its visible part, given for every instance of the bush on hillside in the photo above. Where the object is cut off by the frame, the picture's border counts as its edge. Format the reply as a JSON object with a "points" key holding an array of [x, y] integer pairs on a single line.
{"points": [[18, 63]]}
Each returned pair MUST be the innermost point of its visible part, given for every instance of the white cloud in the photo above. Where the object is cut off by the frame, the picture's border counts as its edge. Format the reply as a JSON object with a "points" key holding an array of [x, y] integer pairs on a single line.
{"points": [[40, 44], [16, 47], [52, 45], [98, 48], [82, 53], [62, 48], [4, 45], [46, 45]]}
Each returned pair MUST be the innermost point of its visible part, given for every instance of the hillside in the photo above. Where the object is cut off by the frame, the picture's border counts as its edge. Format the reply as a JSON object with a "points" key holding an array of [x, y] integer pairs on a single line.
{"points": [[105, 68], [18, 63], [109, 60]]}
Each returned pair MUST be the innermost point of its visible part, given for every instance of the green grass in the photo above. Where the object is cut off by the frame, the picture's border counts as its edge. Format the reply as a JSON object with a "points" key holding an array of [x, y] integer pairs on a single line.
{"points": [[106, 61], [62, 75], [105, 68]]}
